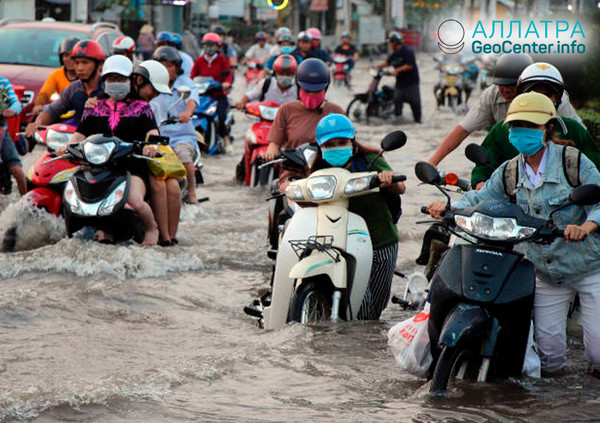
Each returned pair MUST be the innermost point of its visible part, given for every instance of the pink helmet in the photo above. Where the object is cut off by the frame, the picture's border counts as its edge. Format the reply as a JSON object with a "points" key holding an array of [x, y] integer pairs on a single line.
{"points": [[315, 33], [211, 37]]}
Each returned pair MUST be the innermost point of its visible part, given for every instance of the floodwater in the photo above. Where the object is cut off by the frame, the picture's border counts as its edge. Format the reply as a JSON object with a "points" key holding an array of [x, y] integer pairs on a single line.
{"points": [[100, 333]]}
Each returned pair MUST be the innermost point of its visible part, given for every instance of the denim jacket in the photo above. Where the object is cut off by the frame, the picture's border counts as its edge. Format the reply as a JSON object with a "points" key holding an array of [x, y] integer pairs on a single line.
{"points": [[559, 262]]}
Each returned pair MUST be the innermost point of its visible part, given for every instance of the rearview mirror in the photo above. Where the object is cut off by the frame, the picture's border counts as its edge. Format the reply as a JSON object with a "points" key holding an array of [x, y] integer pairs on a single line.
{"points": [[477, 154], [183, 92], [427, 173], [585, 195], [393, 141]]}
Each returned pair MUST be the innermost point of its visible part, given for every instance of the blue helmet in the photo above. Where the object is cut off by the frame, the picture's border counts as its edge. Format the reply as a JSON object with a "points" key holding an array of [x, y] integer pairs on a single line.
{"points": [[312, 75], [164, 38], [177, 40], [333, 126]]}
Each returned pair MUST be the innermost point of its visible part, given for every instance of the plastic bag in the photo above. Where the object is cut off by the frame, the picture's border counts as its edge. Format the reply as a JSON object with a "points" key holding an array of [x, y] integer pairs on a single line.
{"points": [[168, 166], [532, 366], [409, 343]]}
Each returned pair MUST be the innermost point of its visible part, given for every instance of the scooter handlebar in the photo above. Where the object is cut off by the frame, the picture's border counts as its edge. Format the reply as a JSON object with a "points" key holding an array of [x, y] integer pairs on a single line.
{"points": [[375, 182]]}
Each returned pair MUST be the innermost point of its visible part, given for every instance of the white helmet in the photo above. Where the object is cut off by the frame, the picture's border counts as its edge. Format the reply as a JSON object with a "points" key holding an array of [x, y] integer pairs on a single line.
{"points": [[123, 44], [540, 72], [117, 64], [156, 74]]}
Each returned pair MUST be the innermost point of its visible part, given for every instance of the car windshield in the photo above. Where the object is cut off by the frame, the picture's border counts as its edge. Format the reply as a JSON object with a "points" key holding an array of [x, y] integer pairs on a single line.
{"points": [[33, 46]]}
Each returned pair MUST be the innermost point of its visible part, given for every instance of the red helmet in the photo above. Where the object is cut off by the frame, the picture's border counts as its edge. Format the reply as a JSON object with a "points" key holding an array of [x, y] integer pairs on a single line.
{"points": [[88, 49], [211, 37], [123, 44], [315, 33], [285, 62]]}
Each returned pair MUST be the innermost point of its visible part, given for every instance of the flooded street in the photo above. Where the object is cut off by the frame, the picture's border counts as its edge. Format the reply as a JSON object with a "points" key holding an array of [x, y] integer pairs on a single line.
{"points": [[104, 333]]}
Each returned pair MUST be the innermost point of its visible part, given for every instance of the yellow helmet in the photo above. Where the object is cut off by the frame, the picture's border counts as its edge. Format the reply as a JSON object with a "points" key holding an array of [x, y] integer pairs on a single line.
{"points": [[531, 107]]}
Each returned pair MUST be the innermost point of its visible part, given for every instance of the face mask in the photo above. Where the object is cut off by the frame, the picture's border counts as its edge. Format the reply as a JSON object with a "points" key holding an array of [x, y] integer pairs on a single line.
{"points": [[210, 50], [337, 156], [527, 141], [117, 90], [287, 49], [311, 101], [285, 81]]}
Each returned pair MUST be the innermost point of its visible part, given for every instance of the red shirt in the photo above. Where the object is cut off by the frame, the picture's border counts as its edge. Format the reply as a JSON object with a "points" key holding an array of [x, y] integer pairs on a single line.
{"points": [[213, 69]]}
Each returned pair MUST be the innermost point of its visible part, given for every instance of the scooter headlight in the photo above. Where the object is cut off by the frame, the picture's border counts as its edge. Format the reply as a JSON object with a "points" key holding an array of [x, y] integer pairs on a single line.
{"points": [[98, 153], [268, 113], [357, 185], [107, 206], [55, 139], [321, 187], [70, 197], [294, 192], [493, 228]]}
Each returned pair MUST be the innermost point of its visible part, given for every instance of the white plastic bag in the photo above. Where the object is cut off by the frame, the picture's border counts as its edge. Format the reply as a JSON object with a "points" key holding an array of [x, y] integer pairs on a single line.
{"points": [[532, 366], [409, 343]]}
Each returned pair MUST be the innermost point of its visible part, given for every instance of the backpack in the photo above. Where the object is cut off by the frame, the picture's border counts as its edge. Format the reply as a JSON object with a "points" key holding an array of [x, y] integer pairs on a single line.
{"points": [[265, 88], [571, 159]]}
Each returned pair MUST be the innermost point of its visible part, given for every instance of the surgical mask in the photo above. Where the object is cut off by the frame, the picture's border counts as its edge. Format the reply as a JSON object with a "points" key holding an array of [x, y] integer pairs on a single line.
{"points": [[287, 49], [285, 81], [117, 90], [311, 101], [527, 141], [337, 156], [210, 50]]}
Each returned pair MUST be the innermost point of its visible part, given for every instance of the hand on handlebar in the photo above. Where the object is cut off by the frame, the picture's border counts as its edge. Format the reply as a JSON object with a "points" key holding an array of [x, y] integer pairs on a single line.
{"points": [[61, 151], [437, 209], [272, 152], [184, 117], [385, 178], [150, 150], [30, 129], [575, 233]]}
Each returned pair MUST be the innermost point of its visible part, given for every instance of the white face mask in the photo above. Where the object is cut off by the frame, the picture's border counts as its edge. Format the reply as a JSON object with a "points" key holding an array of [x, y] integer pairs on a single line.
{"points": [[285, 81], [117, 90]]}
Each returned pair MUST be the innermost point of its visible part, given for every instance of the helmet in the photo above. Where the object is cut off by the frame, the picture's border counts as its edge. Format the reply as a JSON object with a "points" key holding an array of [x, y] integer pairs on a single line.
{"points": [[282, 30], [396, 37], [117, 64], [164, 38], [167, 54], [123, 44], [540, 73], [531, 107], [220, 30], [177, 42], [88, 49], [333, 126], [315, 33], [312, 75], [261, 36], [155, 73], [286, 38], [66, 46], [509, 66], [304, 36], [285, 62], [345, 34], [211, 37]]}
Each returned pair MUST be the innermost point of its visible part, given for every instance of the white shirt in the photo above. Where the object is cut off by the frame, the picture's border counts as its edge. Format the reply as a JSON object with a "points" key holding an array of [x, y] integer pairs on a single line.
{"points": [[535, 177], [274, 93], [258, 53]]}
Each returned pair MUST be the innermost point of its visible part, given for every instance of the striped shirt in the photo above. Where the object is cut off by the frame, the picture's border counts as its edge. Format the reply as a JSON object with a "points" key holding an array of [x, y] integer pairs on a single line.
{"points": [[8, 98]]}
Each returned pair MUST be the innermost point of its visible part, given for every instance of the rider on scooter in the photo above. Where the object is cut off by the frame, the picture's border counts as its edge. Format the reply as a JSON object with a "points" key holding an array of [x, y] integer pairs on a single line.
{"points": [[286, 46], [215, 65], [338, 147], [567, 265], [316, 51], [259, 51], [8, 150], [347, 49], [282, 92]]}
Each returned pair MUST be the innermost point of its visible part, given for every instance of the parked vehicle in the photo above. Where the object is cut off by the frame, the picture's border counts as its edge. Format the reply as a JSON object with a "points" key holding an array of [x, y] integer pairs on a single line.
{"points": [[374, 103]]}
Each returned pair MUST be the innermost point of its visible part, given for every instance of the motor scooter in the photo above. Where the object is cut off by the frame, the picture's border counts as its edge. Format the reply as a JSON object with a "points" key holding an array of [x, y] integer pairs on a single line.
{"points": [[325, 255], [447, 90], [482, 293], [375, 103], [340, 71], [253, 72]]}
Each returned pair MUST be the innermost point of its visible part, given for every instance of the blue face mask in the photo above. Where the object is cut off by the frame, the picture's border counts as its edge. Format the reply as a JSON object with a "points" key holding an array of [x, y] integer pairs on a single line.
{"points": [[287, 49], [337, 156], [527, 141]]}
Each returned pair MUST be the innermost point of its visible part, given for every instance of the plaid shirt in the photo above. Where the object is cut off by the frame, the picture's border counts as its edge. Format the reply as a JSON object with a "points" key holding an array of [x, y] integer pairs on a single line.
{"points": [[8, 98]]}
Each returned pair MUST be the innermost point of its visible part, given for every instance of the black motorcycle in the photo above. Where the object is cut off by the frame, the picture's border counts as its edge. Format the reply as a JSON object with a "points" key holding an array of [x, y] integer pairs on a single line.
{"points": [[374, 103], [482, 293], [96, 195]]}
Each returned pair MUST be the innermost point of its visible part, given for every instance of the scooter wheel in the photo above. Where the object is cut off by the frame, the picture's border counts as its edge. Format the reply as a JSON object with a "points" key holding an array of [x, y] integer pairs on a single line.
{"points": [[310, 304], [453, 361]]}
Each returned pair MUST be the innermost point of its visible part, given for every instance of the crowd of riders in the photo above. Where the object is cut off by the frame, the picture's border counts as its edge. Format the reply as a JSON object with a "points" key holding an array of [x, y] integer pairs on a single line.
{"points": [[527, 112]]}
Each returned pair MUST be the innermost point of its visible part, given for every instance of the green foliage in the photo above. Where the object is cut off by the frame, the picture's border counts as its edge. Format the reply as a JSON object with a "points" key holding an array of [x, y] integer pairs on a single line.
{"points": [[591, 119]]}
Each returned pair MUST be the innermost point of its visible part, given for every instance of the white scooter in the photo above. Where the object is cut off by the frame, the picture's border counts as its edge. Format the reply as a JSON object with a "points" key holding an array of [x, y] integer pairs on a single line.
{"points": [[325, 256]]}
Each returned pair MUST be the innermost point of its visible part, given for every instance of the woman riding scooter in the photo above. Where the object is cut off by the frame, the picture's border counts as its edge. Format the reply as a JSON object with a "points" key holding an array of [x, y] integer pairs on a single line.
{"points": [[335, 136], [568, 265]]}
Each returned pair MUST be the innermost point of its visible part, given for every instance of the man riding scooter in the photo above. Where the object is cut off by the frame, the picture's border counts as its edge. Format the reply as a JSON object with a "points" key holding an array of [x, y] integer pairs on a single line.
{"points": [[347, 49]]}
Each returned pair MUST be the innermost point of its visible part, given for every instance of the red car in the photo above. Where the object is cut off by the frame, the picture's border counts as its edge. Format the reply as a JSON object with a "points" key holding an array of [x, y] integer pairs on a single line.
{"points": [[29, 51]]}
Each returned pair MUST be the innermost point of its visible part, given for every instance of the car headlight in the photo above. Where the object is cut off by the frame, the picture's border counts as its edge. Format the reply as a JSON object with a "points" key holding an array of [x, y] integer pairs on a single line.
{"points": [[212, 109], [71, 199], [98, 153], [107, 206], [493, 228], [268, 113], [357, 185], [294, 192], [321, 187], [55, 139]]}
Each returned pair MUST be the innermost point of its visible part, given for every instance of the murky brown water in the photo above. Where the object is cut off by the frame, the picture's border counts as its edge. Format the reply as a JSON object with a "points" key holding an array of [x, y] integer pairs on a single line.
{"points": [[101, 333]]}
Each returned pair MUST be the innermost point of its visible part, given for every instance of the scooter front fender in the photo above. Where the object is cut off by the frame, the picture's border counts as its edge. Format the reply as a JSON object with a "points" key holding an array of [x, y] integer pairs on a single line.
{"points": [[320, 263], [466, 321]]}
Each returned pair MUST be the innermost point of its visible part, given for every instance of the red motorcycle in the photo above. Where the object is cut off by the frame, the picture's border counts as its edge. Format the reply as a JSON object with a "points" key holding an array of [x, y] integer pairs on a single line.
{"points": [[253, 73], [256, 143], [341, 70]]}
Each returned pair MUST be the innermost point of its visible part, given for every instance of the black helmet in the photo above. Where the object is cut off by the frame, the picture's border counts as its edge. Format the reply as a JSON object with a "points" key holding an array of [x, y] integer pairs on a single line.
{"points": [[509, 66], [219, 30], [396, 37], [66, 46], [167, 54], [312, 75]]}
